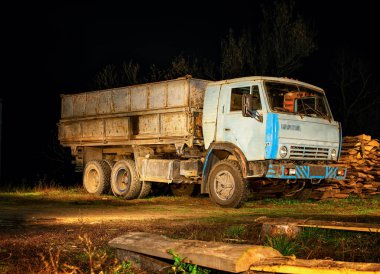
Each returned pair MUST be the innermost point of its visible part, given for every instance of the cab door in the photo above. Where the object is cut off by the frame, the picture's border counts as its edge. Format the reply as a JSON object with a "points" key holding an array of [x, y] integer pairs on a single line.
{"points": [[247, 133]]}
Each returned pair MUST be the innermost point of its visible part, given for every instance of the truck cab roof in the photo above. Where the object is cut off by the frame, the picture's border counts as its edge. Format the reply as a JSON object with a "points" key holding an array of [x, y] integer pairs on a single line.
{"points": [[266, 78]]}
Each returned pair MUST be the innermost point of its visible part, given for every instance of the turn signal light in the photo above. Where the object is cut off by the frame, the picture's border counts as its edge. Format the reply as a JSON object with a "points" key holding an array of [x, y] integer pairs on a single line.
{"points": [[340, 172]]}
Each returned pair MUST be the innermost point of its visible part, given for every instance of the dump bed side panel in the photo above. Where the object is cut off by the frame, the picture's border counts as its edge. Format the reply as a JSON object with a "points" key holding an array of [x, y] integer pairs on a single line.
{"points": [[125, 115]]}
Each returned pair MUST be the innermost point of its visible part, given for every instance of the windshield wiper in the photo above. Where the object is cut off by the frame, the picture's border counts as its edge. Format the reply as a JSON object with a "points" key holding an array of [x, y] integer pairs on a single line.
{"points": [[319, 113]]}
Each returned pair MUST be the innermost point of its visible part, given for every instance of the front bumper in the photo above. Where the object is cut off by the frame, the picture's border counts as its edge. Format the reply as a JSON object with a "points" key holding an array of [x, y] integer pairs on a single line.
{"points": [[291, 171]]}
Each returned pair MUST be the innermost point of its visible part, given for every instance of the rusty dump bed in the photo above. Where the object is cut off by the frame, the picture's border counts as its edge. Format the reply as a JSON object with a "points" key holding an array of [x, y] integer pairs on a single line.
{"points": [[156, 113]]}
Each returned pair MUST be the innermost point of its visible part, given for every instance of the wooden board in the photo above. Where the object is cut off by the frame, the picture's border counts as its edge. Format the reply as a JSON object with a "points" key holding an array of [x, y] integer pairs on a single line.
{"points": [[236, 258], [293, 265], [363, 227], [217, 255]]}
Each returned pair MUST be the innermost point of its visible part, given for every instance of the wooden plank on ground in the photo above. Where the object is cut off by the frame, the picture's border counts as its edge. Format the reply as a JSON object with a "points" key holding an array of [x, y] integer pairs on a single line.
{"points": [[216, 255], [293, 265], [236, 258], [350, 226]]}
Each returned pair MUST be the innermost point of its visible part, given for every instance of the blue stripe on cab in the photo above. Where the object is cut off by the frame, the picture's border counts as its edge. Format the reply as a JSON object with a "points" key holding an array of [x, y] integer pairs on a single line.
{"points": [[271, 136]]}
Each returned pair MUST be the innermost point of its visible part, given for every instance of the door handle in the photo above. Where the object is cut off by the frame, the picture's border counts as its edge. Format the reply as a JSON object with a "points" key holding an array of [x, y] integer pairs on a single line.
{"points": [[227, 129]]}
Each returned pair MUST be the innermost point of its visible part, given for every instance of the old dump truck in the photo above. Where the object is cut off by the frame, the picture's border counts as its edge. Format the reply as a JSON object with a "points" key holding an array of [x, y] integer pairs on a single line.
{"points": [[220, 135]]}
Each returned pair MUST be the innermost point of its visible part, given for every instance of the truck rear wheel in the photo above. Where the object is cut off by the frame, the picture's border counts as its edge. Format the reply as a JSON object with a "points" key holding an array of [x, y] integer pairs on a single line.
{"points": [[125, 180], [96, 177], [145, 189], [109, 162], [228, 188]]}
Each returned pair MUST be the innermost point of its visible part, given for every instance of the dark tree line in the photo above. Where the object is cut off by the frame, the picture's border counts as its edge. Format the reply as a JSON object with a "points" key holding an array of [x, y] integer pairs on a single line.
{"points": [[278, 46]]}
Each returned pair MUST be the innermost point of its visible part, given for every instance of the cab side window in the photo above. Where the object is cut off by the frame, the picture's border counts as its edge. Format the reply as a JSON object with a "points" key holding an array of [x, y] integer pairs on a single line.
{"points": [[237, 97]]}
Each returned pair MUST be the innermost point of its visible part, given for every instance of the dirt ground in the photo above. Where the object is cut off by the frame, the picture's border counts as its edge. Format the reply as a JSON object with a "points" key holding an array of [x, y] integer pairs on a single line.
{"points": [[34, 224]]}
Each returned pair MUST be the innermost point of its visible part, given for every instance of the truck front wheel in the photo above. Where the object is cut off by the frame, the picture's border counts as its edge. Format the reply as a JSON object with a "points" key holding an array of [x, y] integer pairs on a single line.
{"points": [[227, 186], [125, 180], [96, 177]]}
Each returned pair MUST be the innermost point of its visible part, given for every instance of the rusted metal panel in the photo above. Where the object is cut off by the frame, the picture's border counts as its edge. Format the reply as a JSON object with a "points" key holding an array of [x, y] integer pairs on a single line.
{"points": [[174, 124], [139, 97], [158, 96], [117, 127], [70, 131], [155, 110], [92, 102], [149, 124], [190, 168], [158, 170], [178, 93], [79, 105], [121, 100], [197, 94], [95, 129], [105, 102], [92, 129], [67, 106]]}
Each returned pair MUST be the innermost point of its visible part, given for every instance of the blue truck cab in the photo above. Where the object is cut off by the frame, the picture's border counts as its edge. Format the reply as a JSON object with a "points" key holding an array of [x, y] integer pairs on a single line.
{"points": [[267, 127]]}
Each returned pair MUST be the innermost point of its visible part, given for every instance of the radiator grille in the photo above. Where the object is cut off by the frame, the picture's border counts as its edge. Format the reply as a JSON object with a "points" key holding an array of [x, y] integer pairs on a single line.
{"points": [[302, 152]]}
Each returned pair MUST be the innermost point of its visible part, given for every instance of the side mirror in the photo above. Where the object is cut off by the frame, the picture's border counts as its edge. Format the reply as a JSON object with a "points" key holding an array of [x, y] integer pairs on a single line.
{"points": [[247, 105], [250, 105]]}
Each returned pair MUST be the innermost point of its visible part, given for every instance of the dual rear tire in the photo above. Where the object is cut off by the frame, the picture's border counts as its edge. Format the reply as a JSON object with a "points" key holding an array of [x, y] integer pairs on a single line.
{"points": [[96, 177], [122, 177], [125, 181]]}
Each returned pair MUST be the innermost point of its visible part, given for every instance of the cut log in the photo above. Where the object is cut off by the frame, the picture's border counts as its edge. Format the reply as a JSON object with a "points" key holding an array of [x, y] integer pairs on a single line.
{"points": [[374, 143], [364, 137]]}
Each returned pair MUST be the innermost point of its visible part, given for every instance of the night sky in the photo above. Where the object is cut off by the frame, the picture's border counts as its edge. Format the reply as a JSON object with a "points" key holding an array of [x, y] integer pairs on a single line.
{"points": [[54, 49]]}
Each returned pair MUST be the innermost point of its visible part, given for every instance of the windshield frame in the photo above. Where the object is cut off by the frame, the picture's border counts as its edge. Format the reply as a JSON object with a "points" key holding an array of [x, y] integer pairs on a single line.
{"points": [[298, 85]]}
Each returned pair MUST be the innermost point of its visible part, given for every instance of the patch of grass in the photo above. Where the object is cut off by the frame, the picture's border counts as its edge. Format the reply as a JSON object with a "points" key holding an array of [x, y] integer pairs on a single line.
{"points": [[215, 219], [365, 211], [90, 260], [340, 245], [282, 201], [235, 231], [283, 244]]}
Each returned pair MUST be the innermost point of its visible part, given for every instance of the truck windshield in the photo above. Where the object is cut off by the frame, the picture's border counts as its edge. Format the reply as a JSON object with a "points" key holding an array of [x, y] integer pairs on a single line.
{"points": [[296, 99]]}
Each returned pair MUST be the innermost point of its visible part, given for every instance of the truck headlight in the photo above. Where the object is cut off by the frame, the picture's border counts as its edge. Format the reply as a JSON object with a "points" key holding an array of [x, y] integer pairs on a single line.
{"points": [[333, 154], [283, 151]]}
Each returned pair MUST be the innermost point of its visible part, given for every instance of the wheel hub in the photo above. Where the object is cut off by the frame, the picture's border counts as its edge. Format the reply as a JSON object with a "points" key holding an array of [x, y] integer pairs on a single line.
{"points": [[224, 185], [123, 180], [93, 179]]}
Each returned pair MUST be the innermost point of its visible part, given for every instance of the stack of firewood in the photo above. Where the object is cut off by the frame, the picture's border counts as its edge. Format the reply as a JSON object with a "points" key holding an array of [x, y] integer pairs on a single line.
{"points": [[361, 155]]}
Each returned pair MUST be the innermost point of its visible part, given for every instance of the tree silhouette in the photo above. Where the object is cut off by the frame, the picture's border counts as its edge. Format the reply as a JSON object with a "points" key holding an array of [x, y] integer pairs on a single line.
{"points": [[359, 89], [277, 48]]}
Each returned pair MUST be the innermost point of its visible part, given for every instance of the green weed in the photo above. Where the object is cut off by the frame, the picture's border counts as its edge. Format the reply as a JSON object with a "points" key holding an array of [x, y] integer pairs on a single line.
{"points": [[180, 266], [235, 231], [283, 244]]}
